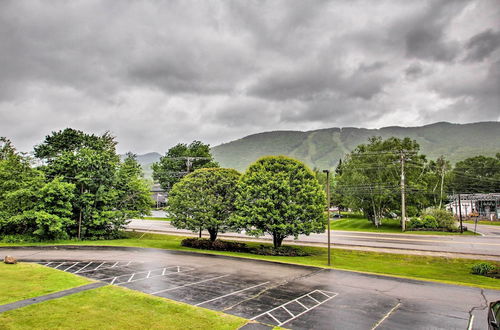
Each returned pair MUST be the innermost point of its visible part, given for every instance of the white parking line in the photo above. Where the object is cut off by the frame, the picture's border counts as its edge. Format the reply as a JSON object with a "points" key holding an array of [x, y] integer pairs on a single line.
{"points": [[79, 270], [386, 316], [189, 284], [148, 276], [62, 263], [329, 296], [98, 267], [76, 263], [229, 294]]}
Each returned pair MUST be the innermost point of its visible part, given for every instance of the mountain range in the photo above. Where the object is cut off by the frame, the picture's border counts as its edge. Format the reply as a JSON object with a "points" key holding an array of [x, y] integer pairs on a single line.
{"points": [[324, 147]]}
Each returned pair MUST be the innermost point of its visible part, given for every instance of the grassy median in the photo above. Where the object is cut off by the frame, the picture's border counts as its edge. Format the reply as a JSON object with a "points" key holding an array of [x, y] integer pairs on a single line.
{"points": [[23, 281], [440, 269], [112, 307], [357, 222]]}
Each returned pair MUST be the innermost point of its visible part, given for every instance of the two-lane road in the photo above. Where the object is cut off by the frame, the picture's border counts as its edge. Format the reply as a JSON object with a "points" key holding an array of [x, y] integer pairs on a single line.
{"points": [[487, 246]]}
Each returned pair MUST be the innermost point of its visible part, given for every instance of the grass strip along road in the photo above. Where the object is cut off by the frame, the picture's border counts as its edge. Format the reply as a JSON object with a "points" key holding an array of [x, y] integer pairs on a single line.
{"points": [[357, 222], [107, 307], [440, 269]]}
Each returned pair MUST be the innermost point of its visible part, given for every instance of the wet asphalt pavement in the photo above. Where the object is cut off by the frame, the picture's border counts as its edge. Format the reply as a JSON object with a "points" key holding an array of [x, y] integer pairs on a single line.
{"points": [[294, 297]]}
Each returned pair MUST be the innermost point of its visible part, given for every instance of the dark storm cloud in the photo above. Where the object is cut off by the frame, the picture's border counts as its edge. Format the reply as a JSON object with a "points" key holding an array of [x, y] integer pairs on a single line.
{"points": [[482, 45], [414, 71], [156, 73], [321, 79], [425, 37]]}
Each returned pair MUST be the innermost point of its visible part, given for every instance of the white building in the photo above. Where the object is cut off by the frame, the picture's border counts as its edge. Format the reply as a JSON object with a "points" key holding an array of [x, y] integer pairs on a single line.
{"points": [[486, 206]]}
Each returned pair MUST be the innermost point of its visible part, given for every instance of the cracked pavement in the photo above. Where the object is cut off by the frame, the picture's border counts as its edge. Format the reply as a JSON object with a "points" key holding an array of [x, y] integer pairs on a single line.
{"points": [[297, 297]]}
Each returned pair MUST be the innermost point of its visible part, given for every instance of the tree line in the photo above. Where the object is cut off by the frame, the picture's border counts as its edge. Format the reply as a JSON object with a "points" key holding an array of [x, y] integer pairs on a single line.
{"points": [[369, 179]]}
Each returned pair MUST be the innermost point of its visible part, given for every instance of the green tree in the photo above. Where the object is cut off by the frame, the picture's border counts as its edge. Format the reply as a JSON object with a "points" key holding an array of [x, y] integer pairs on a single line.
{"points": [[6, 148], [90, 162], [180, 160], [370, 178], [282, 197], [50, 218], [204, 200], [478, 174], [28, 204], [134, 196], [18, 184], [437, 179]]}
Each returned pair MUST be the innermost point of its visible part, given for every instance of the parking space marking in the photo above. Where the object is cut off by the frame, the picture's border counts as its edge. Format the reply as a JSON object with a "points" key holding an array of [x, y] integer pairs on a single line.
{"points": [[229, 294], [110, 267], [66, 269], [177, 269], [190, 284], [386, 316], [62, 263], [329, 295], [79, 270]]}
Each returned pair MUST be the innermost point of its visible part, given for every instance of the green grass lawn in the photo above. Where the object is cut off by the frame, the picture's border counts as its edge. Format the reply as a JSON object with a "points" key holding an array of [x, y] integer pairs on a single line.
{"points": [[489, 223], [113, 307], [23, 281], [447, 270], [356, 222]]}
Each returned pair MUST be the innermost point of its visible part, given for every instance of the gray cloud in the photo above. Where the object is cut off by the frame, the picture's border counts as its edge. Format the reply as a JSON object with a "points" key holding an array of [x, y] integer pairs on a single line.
{"points": [[482, 45], [414, 71], [157, 73]]}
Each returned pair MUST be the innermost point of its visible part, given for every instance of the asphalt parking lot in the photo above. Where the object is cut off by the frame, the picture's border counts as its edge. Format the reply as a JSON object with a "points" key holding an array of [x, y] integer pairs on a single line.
{"points": [[294, 297]]}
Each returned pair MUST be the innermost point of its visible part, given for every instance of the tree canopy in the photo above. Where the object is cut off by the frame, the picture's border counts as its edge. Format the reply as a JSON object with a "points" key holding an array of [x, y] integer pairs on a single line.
{"points": [[204, 200], [82, 190], [282, 197], [180, 160], [478, 174], [369, 178]]}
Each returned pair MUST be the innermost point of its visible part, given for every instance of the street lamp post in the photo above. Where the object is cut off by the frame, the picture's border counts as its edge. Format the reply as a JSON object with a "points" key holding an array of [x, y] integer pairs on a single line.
{"points": [[328, 210]]}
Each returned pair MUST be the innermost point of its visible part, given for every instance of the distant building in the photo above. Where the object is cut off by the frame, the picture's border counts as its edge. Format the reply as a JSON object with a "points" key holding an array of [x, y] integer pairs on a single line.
{"points": [[485, 206], [159, 195]]}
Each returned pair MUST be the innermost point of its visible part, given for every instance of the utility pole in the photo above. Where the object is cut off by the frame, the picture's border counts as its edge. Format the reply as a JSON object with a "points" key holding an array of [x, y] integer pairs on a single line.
{"points": [[80, 216], [328, 211], [442, 182], [403, 201], [460, 213]]}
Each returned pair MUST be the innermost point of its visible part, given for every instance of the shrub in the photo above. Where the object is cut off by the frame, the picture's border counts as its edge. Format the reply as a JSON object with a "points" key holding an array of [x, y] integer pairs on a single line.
{"points": [[287, 251], [18, 239], [443, 218], [218, 245], [482, 268], [428, 221], [413, 223]]}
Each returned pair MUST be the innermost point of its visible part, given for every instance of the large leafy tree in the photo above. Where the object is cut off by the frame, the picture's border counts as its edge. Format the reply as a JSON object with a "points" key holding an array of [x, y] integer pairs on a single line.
{"points": [[282, 197], [478, 174], [370, 177], [180, 160], [91, 164], [204, 200], [30, 204]]}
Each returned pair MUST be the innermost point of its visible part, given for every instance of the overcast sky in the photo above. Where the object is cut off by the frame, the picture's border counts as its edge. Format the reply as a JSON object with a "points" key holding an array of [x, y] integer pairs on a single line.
{"points": [[156, 73]]}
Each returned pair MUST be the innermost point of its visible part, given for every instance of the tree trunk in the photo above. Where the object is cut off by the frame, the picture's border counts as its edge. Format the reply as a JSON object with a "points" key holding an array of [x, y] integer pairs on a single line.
{"points": [[277, 240], [213, 234]]}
